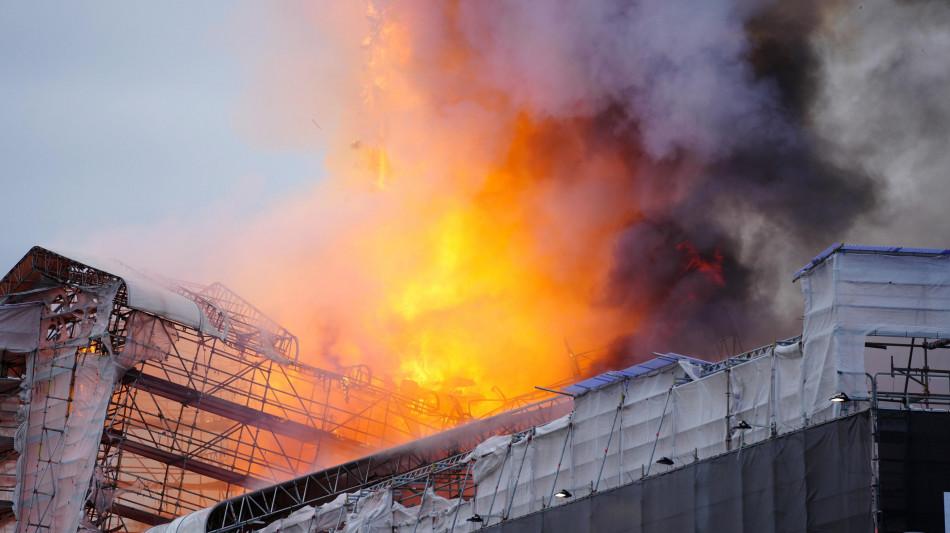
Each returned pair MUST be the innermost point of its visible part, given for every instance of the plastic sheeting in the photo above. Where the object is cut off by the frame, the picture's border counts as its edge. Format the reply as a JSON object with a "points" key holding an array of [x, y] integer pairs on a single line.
{"points": [[674, 408], [66, 392], [300, 521], [517, 476], [614, 437], [851, 295], [20, 326], [190, 523], [71, 373], [147, 295], [816, 480], [622, 429]]}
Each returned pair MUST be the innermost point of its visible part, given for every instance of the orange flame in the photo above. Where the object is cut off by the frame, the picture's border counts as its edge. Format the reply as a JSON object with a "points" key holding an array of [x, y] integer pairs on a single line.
{"points": [[458, 242]]}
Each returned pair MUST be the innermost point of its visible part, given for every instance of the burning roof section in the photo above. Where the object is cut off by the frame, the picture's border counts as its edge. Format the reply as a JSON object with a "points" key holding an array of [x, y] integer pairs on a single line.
{"points": [[675, 410], [149, 398]]}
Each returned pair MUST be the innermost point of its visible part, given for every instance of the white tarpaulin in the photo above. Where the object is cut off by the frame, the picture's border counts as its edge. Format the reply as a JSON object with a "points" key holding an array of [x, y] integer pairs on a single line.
{"points": [[853, 294], [148, 295], [195, 522], [20, 326], [672, 411], [66, 391]]}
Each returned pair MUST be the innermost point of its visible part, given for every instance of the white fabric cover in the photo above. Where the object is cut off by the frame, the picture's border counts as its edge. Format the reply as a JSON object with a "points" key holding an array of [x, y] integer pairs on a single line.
{"points": [[847, 297], [69, 381], [66, 392], [331, 515], [147, 295], [58, 443], [373, 514], [851, 295], [20, 326], [300, 521], [788, 411], [195, 522], [433, 515]]}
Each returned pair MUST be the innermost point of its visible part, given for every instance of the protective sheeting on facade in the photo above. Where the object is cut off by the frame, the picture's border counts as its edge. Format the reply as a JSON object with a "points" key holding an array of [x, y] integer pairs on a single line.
{"points": [[852, 292], [20, 326], [613, 437], [64, 394], [730, 432], [815, 480], [184, 524], [62, 340], [149, 295], [619, 431], [128, 400]]}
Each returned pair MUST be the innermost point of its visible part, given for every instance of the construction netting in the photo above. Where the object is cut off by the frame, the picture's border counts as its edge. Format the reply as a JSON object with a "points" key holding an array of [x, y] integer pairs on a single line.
{"points": [[618, 433], [856, 293], [64, 394], [679, 412], [682, 410]]}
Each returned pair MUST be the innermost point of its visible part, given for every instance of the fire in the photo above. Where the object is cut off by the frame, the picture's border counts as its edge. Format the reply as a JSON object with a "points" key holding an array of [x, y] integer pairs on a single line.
{"points": [[494, 277], [462, 236], [712, 269]]}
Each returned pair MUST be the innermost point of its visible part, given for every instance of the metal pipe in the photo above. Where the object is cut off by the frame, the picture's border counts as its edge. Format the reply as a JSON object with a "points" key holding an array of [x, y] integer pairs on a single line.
{"points": [[422, 502], [610, 437], [461, 493], [570, 428], [511, 501], [491, 506], [662, 416], [554, 391]]}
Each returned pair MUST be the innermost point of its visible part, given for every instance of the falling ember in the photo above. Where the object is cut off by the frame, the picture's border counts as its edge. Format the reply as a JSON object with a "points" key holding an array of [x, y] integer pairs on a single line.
{"points": [[500, 182]]}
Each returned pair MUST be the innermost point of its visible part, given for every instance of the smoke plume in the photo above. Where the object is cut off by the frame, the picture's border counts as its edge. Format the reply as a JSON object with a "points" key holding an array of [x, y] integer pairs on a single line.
{"points": [[511, 184]]}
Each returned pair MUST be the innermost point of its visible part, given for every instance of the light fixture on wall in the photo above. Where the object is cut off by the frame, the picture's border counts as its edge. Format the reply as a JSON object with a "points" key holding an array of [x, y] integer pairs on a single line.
{"points": [[840, 397], [742, 425], [664, 461], [563, 493]]}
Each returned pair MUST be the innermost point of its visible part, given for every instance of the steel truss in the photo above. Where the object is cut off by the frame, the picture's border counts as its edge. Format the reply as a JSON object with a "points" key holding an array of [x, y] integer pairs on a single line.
{"points": [[404, 467], [921, 381], [204, 418]]}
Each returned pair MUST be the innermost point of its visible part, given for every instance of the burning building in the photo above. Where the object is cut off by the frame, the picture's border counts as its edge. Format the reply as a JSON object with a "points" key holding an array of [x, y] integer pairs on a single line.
{"points": [[602, 174], [128, 400], [842, 428]]}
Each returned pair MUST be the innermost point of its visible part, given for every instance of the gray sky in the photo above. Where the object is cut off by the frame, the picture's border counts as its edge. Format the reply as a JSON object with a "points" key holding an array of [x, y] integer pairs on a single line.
{"points": [[116, 114]]}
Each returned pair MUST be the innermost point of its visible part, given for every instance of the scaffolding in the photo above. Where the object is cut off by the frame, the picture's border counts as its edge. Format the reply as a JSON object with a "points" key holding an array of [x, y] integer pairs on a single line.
{"points": [[404, 466], [518, 473], [153, 398], [875, 339]]}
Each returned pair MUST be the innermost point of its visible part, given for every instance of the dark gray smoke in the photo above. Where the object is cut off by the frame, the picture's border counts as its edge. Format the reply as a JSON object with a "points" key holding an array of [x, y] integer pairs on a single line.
{"points": [[712, 104], [718, 109]]}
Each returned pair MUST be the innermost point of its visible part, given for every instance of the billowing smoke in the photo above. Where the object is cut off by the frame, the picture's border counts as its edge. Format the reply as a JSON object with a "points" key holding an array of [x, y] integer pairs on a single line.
{"points": [[707, 105], [510, 183]]}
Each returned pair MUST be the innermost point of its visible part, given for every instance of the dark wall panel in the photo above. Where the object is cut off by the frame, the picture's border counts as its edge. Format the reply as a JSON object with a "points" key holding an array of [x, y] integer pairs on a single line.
{"points": [[914, 456], [816, 480]]}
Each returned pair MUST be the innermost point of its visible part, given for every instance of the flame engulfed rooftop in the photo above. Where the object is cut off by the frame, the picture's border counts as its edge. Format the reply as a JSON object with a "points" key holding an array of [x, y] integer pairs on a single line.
{"points": [[821, 432], [156, 398]]}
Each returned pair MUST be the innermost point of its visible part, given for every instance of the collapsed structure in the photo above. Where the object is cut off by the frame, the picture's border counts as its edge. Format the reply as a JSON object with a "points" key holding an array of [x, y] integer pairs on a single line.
{"points": [[843, 428], [127, 400]]}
